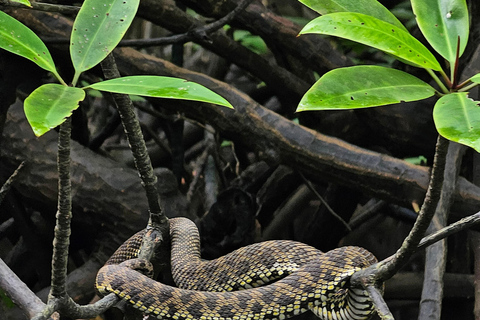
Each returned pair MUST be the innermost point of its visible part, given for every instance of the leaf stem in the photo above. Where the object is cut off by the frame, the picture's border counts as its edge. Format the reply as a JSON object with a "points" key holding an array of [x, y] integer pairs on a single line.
{"points": [[466, 88], [59, 78], [75, 78], [437, 80]]}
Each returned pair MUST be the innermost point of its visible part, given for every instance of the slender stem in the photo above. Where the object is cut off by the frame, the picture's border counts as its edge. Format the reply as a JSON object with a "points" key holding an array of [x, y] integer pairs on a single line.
{"points": [[454, 69], [427, 211], [137, 143], [458, 226], [467, 88], [6, 186], [76, 76], [446, 78], [387, 268], [59, 78], [437, 80], [64, 213]]}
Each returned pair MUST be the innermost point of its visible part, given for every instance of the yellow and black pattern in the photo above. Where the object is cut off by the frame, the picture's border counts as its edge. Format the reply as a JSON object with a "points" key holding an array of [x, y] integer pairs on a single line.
{"points": [[248, 267], [315, 281]]}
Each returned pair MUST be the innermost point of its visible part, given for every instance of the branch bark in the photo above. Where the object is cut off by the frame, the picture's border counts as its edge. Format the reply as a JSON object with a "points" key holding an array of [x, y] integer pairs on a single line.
{"points": [[18, 291], [436, 254]]}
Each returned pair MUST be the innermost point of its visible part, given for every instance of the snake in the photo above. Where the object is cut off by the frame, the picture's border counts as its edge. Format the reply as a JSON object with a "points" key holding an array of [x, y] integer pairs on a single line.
{"points": [[275, 280]]}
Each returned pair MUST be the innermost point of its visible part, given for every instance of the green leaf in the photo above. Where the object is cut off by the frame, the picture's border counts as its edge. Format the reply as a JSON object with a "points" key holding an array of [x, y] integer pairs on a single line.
{"points": [[98, 28], [362, 87], [49, 105], [18, 39], [375, 33], [369, 7], [160, 87], [457, 118], [475, 78], [24, 2], [442, 22]]}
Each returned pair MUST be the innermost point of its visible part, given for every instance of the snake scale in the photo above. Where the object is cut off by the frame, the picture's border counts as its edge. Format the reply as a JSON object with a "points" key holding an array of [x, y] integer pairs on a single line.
{"points": [[283, 278]]}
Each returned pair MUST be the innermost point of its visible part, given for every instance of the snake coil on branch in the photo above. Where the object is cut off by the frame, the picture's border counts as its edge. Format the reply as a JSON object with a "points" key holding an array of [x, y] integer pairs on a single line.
{"points": [[283, 279]]}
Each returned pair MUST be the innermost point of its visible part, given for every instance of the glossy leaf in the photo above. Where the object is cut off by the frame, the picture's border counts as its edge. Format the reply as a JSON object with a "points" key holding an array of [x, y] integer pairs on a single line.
{"points": [[442, 22], [98, 27], [457, 118], [160, 87], [49, 105], [18, 39], [369, 7], [476, 78], [363, 86], [375, 33]]}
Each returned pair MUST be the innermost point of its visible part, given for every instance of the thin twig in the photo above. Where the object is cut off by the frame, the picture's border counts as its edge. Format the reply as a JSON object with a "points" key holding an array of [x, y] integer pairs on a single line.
{"points": [[325, 203], [6, 186], [458, 226], [48, 7], [200, 33], [386, 270]]}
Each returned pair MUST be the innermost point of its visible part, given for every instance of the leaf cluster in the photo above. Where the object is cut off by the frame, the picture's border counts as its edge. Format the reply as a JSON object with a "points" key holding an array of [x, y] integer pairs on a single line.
{"points": [[445, 25], [97, 30]]}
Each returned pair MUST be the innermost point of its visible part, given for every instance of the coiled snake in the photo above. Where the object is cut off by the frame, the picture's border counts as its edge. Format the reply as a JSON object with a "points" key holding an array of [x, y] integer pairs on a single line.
{"points": [[284, 278]]}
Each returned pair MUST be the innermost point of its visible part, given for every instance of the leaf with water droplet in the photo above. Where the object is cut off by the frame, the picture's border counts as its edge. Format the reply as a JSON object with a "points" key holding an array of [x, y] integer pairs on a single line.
{"points": [[104, 26], [443, 23]]}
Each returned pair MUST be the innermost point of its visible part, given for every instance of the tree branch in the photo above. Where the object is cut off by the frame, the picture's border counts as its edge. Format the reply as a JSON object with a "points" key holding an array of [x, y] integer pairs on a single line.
{"points": [[436, 255], [137, 143], [64, 214]]}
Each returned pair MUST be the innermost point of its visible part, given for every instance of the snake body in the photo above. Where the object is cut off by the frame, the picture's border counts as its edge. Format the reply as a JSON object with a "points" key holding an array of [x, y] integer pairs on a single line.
{"points": [[298, 278]]}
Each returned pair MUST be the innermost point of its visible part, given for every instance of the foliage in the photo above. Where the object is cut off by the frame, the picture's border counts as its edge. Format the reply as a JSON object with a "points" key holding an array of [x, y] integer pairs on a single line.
{"points": [[444, 24], [96, 32]]}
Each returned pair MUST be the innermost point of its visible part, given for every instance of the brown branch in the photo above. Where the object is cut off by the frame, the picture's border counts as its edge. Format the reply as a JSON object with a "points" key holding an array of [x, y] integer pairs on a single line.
{"points": [[48, 7], [279, 140], [435, 259], [64, 214], [375, 275], [458, 226], [137, 143], [18, 291], [315, 51], [199, 33]]}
